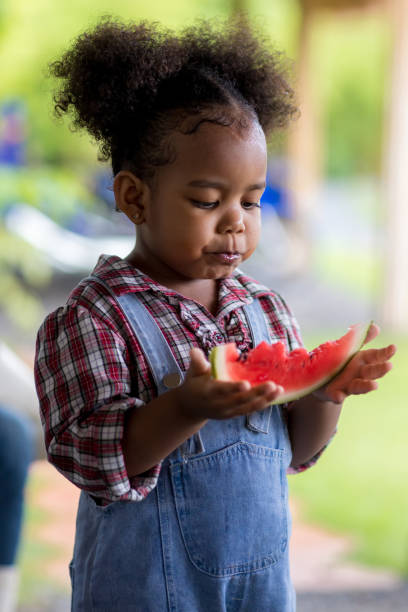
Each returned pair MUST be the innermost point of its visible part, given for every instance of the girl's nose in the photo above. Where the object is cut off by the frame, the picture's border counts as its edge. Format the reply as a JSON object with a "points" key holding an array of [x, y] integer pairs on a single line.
{"points": [[232, 221]]}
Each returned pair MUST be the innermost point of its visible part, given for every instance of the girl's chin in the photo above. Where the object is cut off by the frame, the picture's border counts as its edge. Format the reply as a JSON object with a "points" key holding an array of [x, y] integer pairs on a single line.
{"points": [[219, 272]]}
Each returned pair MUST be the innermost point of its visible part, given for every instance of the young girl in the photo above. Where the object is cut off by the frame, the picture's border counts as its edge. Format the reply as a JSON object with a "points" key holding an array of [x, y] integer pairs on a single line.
{"points": [[184, 496]]}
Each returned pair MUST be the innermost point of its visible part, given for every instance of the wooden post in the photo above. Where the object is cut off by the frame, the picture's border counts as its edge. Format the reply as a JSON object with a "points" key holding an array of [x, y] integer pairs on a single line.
{"points": [[305, 143], [395, 299], [306, 139]]}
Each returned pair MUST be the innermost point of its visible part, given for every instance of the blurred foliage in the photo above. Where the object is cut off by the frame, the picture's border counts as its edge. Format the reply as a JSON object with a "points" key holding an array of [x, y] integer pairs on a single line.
{"points": [[350, 59], [57, 191], [21, 269], [59, 194], [356, 270], [35, 33]]}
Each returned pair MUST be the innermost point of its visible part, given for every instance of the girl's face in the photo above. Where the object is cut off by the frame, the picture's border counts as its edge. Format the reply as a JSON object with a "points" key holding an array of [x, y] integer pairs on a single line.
{"points": [[202, 215]]}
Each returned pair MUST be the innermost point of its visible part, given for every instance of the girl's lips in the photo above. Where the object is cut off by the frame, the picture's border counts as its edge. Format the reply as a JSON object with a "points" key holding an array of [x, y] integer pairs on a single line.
{"points": [[226, 257]]}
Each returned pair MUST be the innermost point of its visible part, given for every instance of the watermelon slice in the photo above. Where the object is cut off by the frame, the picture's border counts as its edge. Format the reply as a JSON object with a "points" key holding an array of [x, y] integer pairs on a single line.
{"points": [[298, 372]]}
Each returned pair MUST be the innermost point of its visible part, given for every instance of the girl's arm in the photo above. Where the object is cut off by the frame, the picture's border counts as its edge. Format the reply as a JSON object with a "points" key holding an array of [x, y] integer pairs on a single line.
{"points": [[311, 424], [312, 420], [154, 430]]}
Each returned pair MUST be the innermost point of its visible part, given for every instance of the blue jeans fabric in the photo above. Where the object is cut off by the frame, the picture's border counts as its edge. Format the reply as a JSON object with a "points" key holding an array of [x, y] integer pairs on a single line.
{"points": [[16, 453], [212, 537]]}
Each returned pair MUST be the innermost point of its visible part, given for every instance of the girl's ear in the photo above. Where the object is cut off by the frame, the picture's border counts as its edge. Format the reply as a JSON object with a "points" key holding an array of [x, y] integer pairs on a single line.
{"points": [[131, 196]]}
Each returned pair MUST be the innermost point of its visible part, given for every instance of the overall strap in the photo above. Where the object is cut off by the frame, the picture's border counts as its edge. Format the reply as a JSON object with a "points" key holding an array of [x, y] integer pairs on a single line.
{"points": [[256, 322], [164, 368], [257, 421], [163, 365]]}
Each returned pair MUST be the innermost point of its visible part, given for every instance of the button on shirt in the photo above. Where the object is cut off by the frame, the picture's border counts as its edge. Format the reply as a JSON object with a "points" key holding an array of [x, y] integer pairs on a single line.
{"points": [[90, 370]]}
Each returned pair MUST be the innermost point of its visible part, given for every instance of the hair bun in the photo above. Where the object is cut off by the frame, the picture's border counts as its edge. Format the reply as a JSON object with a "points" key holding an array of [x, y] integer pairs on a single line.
{"points": [[114, 71], [119, 82]]}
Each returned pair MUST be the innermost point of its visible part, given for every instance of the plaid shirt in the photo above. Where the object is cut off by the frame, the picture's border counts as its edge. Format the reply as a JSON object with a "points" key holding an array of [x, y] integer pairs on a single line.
{"points": [[90, 369]]}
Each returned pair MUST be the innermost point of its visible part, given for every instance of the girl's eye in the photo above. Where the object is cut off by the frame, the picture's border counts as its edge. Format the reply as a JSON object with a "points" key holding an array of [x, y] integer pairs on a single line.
{"points": [[204, 204], [249, 205], [246, 205]]}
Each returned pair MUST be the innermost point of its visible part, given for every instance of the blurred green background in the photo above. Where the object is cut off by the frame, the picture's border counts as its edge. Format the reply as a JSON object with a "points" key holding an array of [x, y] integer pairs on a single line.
{"points": [[359, 486], [349, 87]]}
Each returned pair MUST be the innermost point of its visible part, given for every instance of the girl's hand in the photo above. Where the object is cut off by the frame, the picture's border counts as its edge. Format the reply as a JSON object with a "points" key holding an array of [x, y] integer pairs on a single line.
{"points": [[202, 397], [361, 372]]}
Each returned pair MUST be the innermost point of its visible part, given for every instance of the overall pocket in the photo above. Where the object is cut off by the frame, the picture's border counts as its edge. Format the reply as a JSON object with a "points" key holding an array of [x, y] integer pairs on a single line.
{"points": [[231, 507]]}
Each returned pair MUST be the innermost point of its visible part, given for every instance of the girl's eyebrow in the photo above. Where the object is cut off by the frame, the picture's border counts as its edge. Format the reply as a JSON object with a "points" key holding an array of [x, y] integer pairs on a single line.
{"points": [[218, 185]]}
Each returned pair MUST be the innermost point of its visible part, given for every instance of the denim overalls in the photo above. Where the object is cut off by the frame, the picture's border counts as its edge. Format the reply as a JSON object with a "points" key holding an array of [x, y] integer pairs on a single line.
{"points": [[213, 535]]}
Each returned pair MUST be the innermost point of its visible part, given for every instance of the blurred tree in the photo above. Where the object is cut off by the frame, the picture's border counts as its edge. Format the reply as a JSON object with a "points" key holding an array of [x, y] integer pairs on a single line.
{"points": [[352, 90], [18, 261], [37, 32], [334, 4], [58, 193], [240, 6], [21, 269], [348, 81]]}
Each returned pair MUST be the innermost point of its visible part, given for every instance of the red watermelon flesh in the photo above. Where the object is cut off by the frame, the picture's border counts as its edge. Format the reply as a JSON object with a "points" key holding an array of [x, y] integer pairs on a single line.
{"points": [[299, 372]]}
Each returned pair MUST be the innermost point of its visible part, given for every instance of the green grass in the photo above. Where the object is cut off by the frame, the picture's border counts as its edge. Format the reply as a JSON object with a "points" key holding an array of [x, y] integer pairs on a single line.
{"points": [[34, 582], [35, 554], [354, 269], [360, 485]]}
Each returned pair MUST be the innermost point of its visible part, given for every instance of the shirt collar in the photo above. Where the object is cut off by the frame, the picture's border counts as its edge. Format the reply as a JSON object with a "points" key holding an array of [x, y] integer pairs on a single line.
{"points": [[122, 278]]}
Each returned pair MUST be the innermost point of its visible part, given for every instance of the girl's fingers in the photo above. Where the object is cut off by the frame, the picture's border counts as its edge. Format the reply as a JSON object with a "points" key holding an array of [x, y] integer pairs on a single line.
{"points": [[224, 389], [255, 398], [358, 386], [253, 405], [267, 391], [199, 365], [266, 388], [255, 394], [376, 371], [361, 385], [240, 404], [371, 356]]}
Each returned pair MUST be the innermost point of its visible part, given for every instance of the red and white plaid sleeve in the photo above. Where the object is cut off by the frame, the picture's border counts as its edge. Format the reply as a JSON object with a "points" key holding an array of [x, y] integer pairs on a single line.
{"points": [[83, 385]]}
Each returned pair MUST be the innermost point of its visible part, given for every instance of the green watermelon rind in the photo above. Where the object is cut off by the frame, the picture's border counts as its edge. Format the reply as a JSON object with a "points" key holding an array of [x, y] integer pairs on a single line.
{"points": [[218, 370]]}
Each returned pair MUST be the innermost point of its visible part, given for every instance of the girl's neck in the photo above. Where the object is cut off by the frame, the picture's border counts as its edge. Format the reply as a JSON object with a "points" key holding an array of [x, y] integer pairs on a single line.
{"points": [[202, 290]]}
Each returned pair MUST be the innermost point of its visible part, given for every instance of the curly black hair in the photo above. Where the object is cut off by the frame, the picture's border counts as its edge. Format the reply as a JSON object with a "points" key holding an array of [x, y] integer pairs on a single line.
{"points": [[130, 85]]}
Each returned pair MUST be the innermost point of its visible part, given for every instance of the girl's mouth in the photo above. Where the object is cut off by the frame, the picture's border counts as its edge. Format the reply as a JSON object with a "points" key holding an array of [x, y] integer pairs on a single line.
{"points": [[227, 258]]}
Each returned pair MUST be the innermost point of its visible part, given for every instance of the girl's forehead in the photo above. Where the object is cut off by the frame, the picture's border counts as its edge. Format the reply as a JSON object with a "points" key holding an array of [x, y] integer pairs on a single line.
{"points": [[212, 133], [217, 148]]}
